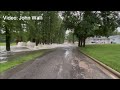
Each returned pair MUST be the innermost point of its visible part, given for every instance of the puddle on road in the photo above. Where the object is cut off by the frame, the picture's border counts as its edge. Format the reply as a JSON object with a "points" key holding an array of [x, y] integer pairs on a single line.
{"points": [[66, 53]]}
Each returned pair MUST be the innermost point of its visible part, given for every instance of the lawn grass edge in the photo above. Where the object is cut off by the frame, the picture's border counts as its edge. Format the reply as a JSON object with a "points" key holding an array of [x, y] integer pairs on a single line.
{"points": [[42, 54], [102, 64]]}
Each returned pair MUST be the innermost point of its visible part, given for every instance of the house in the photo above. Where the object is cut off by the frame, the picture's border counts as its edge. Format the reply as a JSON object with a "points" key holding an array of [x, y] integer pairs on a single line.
{"points": [[115, 39], [104, 40]]}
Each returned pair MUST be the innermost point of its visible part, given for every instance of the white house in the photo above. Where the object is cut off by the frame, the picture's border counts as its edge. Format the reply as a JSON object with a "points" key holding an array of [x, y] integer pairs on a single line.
{"points": [[103, 40], [115, 39]]}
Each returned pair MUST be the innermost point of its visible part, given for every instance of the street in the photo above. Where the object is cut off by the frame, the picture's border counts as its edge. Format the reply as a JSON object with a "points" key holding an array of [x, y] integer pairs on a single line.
{"points": [[62, 63]]}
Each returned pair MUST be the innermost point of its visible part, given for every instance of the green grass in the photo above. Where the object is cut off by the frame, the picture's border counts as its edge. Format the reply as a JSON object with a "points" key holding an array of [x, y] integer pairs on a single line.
{"points": [[107, 54], [3, 44], [20, 59]]}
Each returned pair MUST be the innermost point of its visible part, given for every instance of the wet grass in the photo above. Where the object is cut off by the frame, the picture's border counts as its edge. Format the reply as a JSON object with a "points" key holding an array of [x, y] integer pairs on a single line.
{"points": [[21, 59], [3, 44], [107, 54]]}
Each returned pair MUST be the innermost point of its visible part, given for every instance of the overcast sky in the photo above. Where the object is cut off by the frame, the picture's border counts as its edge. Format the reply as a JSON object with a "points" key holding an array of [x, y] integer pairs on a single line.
{"points": [[118, 29], [68, 31]]}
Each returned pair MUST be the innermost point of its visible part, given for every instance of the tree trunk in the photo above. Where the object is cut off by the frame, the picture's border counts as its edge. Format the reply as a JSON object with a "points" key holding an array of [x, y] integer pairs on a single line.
{"points": [[33, 40], [79, 41], [44, 42], [49, 38], [59, 39], [21, 39], [37, 42], [51, 41], [83, 42], [7, 39], [40, 41], [73, 39], [17, 41]]}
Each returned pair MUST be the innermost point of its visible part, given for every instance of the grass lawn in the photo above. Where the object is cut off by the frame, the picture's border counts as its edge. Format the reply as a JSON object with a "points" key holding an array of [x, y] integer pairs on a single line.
{"points": [[3, 44], [21, 59], [107, 54]]}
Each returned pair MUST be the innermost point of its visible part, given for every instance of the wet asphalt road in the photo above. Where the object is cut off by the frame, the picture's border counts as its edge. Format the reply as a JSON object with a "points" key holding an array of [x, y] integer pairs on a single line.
{"points": [[63, 63]]}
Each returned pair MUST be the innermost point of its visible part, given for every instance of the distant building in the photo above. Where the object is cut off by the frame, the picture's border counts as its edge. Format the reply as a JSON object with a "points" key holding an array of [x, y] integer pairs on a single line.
{"points": [[115, 39], [104, 40]]}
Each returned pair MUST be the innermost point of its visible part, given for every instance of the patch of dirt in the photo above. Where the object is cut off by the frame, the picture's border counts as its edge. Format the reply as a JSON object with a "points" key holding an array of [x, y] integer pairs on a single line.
{"points": [[82, 64]]}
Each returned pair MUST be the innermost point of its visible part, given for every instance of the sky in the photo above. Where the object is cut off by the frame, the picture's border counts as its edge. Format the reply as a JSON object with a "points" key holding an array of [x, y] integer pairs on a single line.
{"points": [[118, 29], [68, 31]]}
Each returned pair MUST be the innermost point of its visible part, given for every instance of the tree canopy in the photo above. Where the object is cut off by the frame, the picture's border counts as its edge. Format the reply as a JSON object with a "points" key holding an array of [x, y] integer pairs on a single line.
{"points": [[48, 30], [51, 28], [91, 23]]}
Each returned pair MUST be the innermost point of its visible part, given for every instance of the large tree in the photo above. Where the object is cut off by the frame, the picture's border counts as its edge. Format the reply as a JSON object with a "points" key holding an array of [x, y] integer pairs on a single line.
{"points": [[90, 23], [7, 26]]}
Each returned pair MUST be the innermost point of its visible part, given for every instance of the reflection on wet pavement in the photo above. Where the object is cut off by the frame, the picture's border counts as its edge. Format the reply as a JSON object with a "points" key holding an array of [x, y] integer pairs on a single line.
{"points": [[66, 53]]}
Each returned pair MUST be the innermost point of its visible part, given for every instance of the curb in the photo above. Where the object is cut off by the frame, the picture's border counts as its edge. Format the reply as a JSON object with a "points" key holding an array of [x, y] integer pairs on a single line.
{"points": [[116, 73]]}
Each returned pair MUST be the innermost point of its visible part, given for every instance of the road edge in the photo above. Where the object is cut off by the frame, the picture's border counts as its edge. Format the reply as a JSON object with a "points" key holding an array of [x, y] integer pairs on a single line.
{"points": [[6, 75], [116, 73]]}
